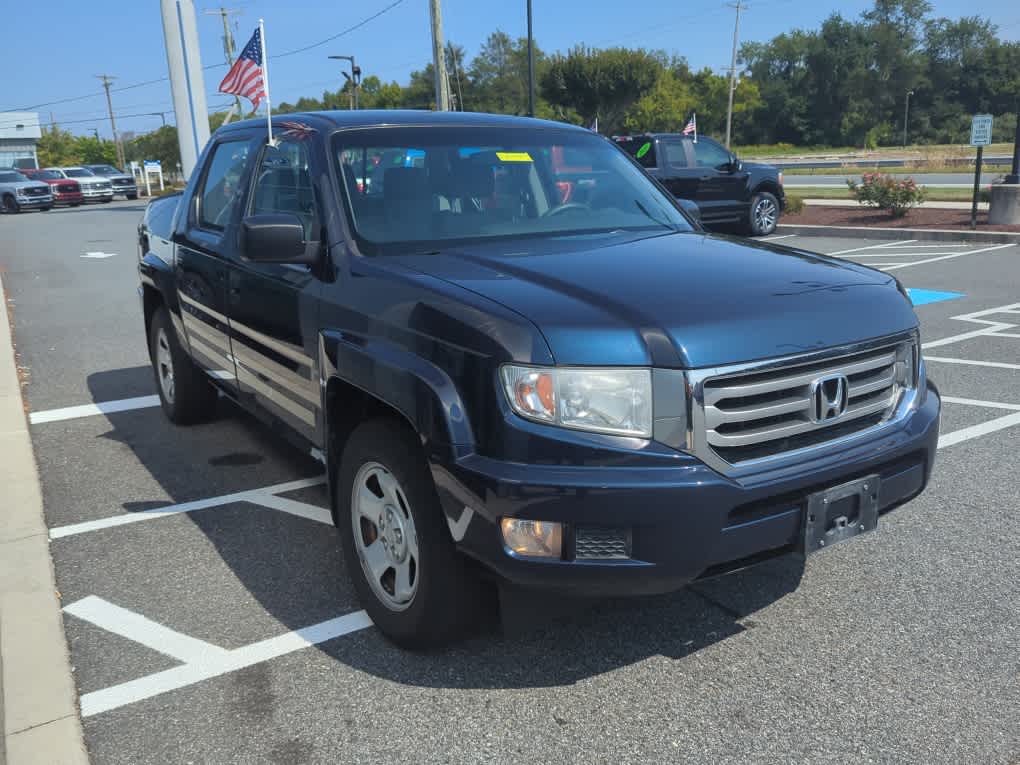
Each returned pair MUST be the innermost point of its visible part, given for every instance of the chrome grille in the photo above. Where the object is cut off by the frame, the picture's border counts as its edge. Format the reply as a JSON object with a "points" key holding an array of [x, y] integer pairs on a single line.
{"points": [[770, 410], [36, 191], [595, 543]]}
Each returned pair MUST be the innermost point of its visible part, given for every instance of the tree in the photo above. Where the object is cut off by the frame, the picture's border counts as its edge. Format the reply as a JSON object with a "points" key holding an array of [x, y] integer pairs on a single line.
{"points": [[161, 144], [600, 83], [664, 107], [56, 147], [94, 150]]}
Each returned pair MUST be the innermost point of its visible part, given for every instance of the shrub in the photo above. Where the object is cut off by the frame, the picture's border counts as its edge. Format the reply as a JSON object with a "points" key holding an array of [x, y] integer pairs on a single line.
{"points": [[794, 204], [887, 193]]}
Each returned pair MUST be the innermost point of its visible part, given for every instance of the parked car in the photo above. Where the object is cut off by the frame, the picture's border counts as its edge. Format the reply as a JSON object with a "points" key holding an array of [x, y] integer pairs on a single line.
{"points": [[726, 189], [592, 396], [93, 187], [66, 191], [123, 183], [18, 192]]}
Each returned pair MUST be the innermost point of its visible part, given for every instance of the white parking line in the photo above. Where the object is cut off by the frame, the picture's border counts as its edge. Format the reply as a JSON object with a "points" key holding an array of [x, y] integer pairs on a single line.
{"points": [[292, 507], [981, 429], [257, 496], [976, 317], [140, 629], [88, 410], [976, 402], [774, 238], [949, 257], [882, 246], [215, 665], [973, 362]]}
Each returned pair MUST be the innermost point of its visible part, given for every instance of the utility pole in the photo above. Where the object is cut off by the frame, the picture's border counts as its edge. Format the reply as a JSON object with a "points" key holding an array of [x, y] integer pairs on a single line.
{"points": [[531, 66], [107, 81], [906, 116], [439, 58], [733, 69], [228, 49]]}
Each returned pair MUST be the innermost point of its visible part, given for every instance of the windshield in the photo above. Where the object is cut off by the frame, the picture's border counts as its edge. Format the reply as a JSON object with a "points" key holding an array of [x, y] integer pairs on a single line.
{"points": [[437, 185], [104, 170], [78, 172], [48, 175], [11, 177]]}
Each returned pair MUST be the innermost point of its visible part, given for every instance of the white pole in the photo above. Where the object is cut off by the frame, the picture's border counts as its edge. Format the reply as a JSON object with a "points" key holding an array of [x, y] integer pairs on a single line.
{"points": [[265, 82], [186, 82]]}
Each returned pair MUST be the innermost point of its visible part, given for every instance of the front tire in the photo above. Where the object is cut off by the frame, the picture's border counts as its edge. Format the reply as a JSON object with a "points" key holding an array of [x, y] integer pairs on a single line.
{"points": [[46, 209], [185, 392], [132, 196], [409, 577], [11, 205], [764, 214]]}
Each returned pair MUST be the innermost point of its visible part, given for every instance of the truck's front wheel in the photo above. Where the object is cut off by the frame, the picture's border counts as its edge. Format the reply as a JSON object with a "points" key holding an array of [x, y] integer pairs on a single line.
{"points": [[185, 393], [409, 577], [764, 214]]}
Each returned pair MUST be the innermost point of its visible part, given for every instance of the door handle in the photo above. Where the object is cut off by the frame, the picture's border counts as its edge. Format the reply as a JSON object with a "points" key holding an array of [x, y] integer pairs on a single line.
{"points": [[706, 177]]}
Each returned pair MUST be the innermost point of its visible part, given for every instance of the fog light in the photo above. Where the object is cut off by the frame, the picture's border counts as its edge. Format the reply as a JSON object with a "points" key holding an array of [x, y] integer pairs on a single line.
{"points": [[535, 538]]}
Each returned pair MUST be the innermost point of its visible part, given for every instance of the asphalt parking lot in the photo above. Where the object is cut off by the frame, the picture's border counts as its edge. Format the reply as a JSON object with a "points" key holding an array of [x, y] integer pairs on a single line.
{"points": [[209, 617]]}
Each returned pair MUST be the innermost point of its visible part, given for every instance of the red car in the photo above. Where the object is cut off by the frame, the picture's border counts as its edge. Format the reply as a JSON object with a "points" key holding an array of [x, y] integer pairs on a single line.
{"points": [[65, 191]]}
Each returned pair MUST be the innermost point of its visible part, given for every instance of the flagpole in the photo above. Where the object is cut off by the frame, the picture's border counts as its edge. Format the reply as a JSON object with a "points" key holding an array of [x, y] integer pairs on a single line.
{"points": [[695, 127], [265, 81]]}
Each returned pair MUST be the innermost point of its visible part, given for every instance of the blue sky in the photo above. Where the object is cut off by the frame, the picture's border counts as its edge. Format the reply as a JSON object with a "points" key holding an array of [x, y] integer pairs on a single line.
{"points": [[72, 41]]}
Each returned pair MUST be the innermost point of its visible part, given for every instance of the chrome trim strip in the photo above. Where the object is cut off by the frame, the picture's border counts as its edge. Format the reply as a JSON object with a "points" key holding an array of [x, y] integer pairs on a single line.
{"points": [[290, 406], [899, 404], [292, 352], [291, 381], [204, 308]]}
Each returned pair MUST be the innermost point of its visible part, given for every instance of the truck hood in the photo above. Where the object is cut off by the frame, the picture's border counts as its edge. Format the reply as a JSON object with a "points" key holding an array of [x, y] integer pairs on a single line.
{"points": [[677, 300]]}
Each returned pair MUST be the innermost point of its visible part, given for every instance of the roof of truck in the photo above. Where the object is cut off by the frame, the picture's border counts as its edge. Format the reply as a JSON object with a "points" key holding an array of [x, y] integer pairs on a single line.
{"points": [[400, 117]]}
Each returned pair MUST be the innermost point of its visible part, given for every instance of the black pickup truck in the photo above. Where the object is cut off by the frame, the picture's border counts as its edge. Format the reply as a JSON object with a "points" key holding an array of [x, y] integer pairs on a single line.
{"points": [[521, 361], [727, 190]]}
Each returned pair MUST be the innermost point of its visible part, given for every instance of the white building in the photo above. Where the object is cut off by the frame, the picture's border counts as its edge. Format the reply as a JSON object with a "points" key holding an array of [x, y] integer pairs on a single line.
{"points": [[19, 134]]}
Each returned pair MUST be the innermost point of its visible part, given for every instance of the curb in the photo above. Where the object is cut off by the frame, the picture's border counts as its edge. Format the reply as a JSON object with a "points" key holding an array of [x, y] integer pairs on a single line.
{"points": [[919, 234], [38, 700]]}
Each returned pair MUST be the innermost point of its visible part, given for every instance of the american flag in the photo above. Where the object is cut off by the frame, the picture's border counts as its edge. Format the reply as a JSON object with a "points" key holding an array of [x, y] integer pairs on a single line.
{"points": [[691, 128], [245, 76]]}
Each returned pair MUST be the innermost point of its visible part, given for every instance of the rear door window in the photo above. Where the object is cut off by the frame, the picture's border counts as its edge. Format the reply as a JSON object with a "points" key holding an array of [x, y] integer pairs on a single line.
{"points": [[676, 153], [642, 149]]}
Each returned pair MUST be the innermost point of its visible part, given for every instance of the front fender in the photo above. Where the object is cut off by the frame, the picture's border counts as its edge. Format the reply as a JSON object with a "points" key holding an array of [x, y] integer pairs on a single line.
{"points": [[419, 390]]}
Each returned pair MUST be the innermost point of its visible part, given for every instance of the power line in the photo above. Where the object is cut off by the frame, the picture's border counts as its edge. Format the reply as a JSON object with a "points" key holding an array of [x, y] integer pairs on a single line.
{"points": [[350, 29], [359, 25]]}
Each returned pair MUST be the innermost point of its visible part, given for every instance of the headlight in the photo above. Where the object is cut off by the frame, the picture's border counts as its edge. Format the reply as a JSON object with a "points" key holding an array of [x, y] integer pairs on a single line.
{"points": [[611, 400]]}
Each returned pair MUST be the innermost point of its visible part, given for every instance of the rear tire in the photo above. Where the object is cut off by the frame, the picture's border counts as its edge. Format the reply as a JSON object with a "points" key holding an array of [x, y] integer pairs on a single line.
{"points": [[186, 394], [390, 521], [763, 216]]}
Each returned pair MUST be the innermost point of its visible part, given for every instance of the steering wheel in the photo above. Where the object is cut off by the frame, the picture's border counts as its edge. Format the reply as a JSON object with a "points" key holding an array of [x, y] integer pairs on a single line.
{"points": [[567, 206]]}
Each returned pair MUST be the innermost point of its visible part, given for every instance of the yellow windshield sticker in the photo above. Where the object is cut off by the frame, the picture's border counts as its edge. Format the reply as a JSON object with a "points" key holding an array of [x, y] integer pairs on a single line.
{"points": [[514, 156]]}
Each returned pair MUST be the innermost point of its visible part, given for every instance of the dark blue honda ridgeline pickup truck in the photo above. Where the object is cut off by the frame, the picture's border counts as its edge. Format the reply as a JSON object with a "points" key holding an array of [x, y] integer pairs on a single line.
{"points": [[521, 361]]}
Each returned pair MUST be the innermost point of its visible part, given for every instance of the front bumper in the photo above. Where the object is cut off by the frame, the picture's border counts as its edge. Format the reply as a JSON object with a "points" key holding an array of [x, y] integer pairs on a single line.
{"points": [[127, 191], [97, 195], [68, 198], [31, 203], [681, 523]]}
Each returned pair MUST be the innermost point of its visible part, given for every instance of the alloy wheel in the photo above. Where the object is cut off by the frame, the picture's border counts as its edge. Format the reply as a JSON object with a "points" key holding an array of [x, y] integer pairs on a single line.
{"points": [[385, 537]]}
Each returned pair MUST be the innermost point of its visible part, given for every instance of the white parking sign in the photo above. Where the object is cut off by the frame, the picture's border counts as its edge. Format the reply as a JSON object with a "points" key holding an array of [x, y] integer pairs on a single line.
{"points": [[981, 130]]}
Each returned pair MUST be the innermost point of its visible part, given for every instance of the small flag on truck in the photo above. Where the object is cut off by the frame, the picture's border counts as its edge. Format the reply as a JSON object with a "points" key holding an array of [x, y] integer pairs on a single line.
{"points": [[245, 76], [691, 128]]}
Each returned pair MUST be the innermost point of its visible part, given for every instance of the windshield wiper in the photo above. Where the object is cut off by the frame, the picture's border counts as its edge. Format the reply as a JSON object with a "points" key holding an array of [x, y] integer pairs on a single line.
{"points": [[652, 218]]}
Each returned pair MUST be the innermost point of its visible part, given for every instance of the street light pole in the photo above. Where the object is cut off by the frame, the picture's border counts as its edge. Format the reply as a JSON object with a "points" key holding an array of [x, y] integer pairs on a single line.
{"points": [[161, 115], [354, 79], [531, 66], [906, 116]]}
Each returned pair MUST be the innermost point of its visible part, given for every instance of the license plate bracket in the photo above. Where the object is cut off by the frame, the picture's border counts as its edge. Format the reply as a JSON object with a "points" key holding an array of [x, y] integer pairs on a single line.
{"points": [[841, 513]]}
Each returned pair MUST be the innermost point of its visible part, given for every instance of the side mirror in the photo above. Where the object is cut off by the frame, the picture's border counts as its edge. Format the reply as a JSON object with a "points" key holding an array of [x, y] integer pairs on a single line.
{"points": [[735, 164], [276, 238]]}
